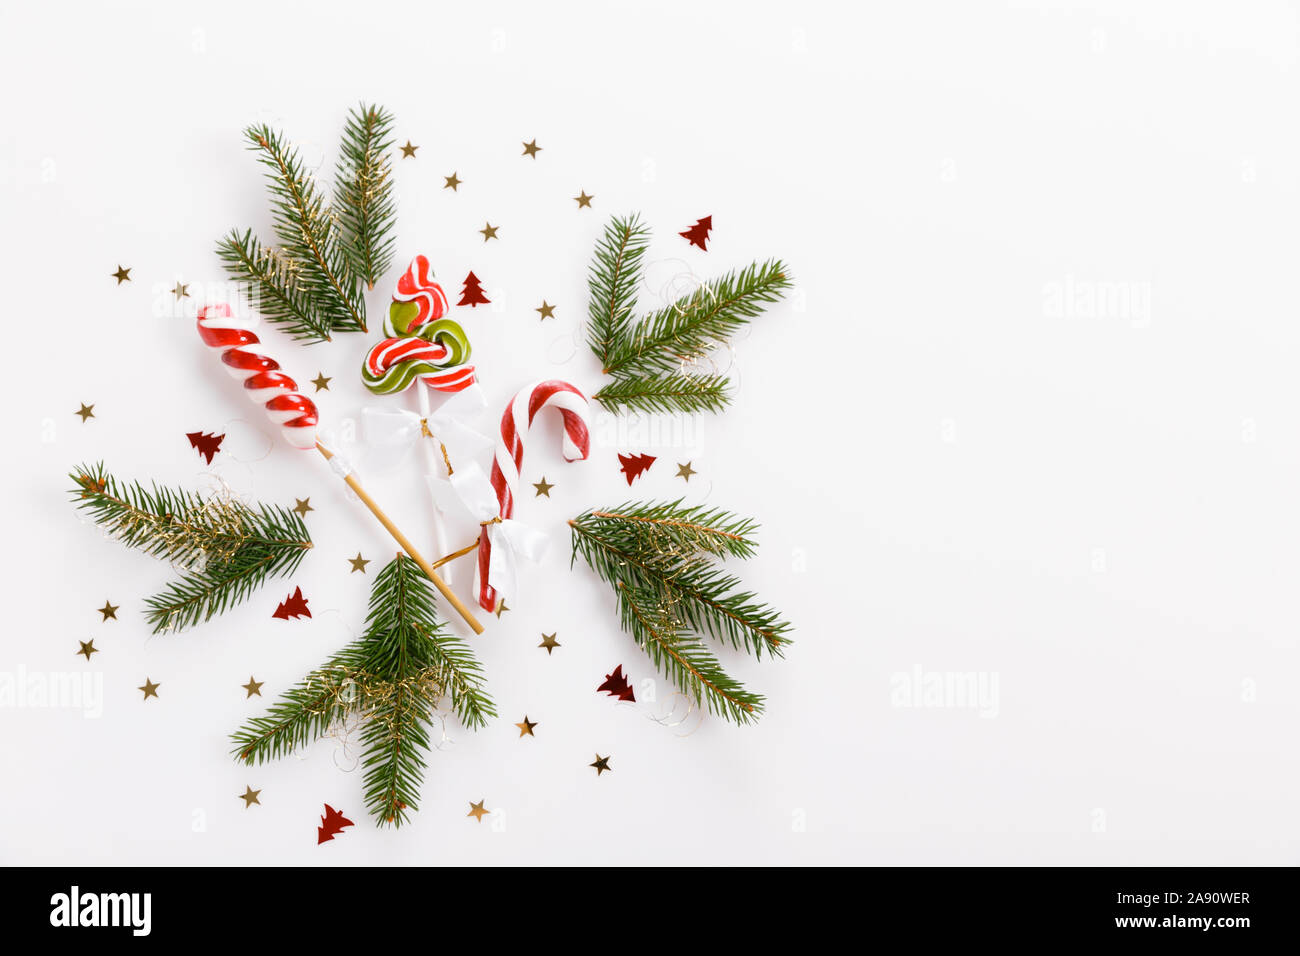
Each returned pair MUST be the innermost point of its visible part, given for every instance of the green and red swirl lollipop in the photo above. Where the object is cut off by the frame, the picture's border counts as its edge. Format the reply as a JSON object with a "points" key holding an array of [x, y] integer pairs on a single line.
{"points": [[421, 344]]}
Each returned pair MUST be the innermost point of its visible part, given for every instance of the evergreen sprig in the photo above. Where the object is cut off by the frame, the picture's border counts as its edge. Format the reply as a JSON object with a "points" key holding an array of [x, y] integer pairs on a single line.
{"points": [[307, 232], [656, 361], [274, 286], [686, 330], [683, 658], [363, 192], [672, 526], [674, 392], [615, 272], [655, 556], [311, 284], [391, 680], [225, 548]]}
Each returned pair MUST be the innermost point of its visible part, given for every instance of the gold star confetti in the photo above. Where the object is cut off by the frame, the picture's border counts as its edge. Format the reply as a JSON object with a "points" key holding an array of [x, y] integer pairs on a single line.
{"points": [[181, 291], [321, 382], [543, 488], [88, 648], [150, 689], [452, 182], [477, 812], [549, 642], [583, 200], [601, 765], [531, 149], [249, 796], [358, 564], [526, 728], [85, 411], [489, 231], [685, 471], [303, 506], [121, 275], [408, 150], [108, 610], [253, 687], [501, 609], [546, 309]]}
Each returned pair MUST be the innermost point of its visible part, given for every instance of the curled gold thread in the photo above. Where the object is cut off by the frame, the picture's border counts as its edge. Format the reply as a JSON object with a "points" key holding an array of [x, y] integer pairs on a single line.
{"points": [[354, 696]]}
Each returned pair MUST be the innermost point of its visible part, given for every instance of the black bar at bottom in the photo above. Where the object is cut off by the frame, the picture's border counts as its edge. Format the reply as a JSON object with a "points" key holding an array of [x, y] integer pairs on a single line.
{"points": [[1147, 905]]}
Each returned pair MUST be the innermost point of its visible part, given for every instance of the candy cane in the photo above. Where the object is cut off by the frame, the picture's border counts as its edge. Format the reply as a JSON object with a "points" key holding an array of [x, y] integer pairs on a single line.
{"points": [[244, 357], [515, 423]]}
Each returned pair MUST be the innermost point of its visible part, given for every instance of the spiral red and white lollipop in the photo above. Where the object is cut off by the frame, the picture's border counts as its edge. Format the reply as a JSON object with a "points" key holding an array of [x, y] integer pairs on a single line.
{"points": [[244, 357]]}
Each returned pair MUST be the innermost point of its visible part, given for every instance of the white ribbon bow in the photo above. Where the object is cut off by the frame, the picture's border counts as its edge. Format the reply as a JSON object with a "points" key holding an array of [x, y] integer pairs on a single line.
{"points": [[511, 540], [392, 432]]}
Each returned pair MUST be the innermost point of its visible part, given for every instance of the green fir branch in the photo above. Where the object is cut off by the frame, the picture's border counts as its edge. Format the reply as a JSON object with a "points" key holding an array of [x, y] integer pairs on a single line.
{"points": [[673, 392], [656, 361], [166, 523], [615, 271], [684, 332], [302, 714], [670, 526], [307, 232], [655, 556], [453, 666], [225, 548], [201, 595], [402, 628], [395, 738], [273, 284], [363, 192], [703, 596], [391, 680], [686, 661]]}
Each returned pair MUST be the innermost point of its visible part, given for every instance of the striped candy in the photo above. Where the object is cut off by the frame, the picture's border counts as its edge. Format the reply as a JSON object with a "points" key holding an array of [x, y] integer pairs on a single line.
{"points": [[416, 286], [420, 343], [516, 421], [242, 354]]}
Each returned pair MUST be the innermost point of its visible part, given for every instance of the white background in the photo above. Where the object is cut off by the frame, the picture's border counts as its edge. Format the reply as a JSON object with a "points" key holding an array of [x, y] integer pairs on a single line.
{"points": [[955, 471]]}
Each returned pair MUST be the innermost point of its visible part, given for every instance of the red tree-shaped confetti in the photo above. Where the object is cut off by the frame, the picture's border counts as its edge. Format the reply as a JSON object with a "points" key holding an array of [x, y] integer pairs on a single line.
{"points": [[634, 466], [208, 444], [295, 606], [698, 234], [331, 824], [472, 294], [616, 685]]}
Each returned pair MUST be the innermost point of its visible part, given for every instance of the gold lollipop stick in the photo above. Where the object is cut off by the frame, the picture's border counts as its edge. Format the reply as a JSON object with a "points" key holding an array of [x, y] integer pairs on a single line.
{"points": [[409, 548]]}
